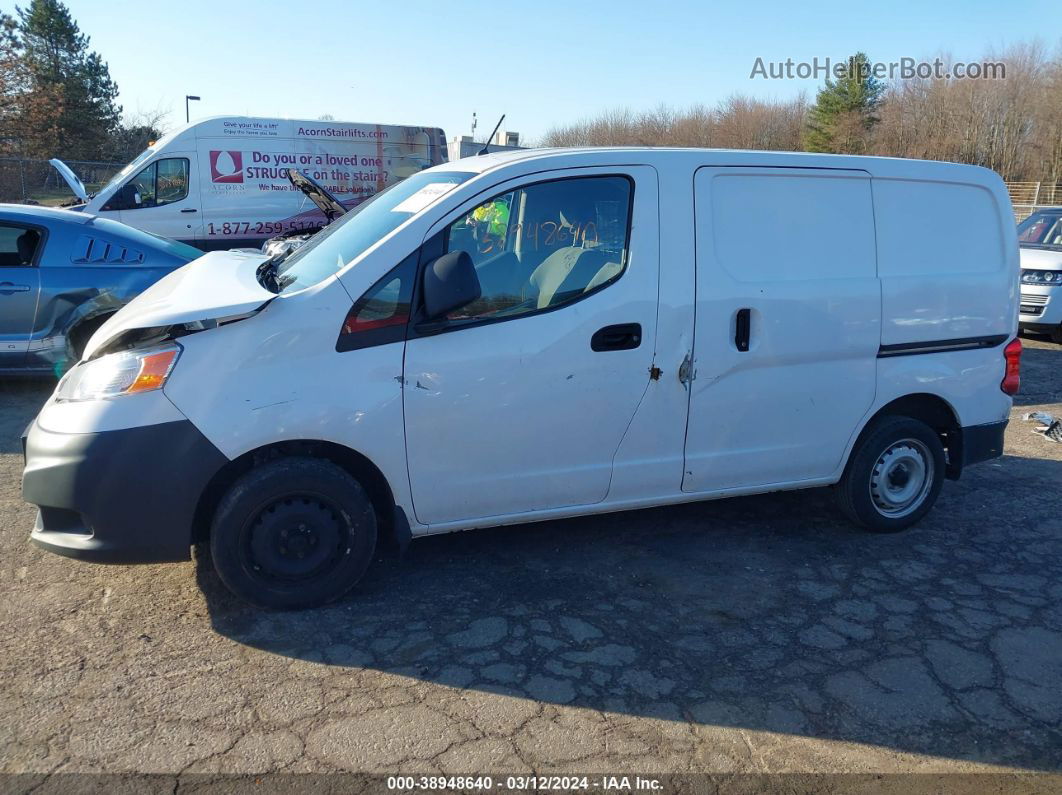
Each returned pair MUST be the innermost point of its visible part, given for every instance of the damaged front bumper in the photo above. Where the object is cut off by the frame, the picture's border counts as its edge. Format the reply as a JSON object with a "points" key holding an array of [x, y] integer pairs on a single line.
{"points": [[118, 496]]}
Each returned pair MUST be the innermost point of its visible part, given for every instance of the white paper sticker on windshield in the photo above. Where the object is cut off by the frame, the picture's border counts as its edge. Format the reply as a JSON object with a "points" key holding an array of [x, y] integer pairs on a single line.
{"points": [[423, 197]]}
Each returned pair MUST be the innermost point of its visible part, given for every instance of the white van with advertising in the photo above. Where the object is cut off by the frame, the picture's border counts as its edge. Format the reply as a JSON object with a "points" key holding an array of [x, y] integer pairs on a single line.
{"points": [[533, 335], [222, 182]]}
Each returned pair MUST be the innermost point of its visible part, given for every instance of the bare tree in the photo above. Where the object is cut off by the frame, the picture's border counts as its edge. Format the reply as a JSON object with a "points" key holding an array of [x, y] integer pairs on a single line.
{"points": [[737, 122], [1011, 125]]}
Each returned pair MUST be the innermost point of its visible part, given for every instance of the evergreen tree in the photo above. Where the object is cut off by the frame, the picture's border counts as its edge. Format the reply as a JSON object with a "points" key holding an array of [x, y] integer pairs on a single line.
{"points": [[72, 109], [14, 82], [845, 110]]}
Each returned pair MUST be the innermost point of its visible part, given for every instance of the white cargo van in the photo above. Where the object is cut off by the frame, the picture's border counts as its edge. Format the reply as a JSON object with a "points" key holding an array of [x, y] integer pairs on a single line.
{"points": [[532, 335], [222, 182]]}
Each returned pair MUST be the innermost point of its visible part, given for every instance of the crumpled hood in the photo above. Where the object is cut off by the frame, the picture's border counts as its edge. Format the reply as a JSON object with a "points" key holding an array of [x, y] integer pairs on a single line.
{"points": [[218, 285], [1041, 259]]}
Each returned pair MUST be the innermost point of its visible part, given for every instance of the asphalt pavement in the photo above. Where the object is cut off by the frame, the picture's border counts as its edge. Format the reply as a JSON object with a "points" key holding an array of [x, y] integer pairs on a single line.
{"points": [[760, 634]]}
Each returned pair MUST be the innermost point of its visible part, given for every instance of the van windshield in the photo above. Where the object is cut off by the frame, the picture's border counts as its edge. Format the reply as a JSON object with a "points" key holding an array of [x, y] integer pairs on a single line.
{"points": [[114, 181], [351, 235]]}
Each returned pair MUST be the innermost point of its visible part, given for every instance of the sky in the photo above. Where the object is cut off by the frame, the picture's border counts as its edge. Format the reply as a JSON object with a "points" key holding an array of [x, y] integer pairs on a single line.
{"points": [[543, 63]]}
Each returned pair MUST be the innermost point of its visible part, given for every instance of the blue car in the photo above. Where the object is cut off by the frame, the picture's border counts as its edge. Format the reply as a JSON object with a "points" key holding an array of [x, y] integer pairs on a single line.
{"points": [[62, 274]]}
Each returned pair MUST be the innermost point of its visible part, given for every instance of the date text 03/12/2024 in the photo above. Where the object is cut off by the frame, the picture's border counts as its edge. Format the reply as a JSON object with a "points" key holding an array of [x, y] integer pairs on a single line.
{"points": [[524, 783]]}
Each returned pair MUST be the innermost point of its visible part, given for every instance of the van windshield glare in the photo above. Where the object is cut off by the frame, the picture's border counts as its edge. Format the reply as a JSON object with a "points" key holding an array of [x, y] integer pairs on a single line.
{"points": [[351, 235]]}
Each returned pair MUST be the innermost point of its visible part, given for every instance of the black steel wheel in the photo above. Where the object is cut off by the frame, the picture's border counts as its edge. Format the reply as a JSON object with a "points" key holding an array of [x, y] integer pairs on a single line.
{"points": [[294, 532]]}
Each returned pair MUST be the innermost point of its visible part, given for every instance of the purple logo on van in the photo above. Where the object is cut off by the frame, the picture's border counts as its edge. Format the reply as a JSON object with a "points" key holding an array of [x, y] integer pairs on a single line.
{"points": [[226, 166]]}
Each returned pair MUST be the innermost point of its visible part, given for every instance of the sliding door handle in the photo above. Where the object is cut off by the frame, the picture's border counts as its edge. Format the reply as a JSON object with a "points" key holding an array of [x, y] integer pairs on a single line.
{"points": [[742, 329]]}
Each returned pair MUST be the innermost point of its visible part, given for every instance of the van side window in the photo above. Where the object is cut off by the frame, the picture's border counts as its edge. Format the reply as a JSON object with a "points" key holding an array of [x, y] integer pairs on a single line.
{"points": [[163, 182], [18, 245], [544, 245], [381, 314]]}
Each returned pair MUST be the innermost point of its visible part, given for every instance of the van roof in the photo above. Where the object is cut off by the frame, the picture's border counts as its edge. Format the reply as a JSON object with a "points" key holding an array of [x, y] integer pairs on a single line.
{"points": [[884, 167], [207, 121]]}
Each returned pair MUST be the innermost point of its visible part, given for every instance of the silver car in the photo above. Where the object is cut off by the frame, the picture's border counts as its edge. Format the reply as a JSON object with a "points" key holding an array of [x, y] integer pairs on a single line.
{"points": [[1040, 238], [62, 274]]}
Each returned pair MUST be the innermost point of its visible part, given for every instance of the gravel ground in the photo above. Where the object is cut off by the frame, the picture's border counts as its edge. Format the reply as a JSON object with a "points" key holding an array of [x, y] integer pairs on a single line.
{"points": [[749, 635]]}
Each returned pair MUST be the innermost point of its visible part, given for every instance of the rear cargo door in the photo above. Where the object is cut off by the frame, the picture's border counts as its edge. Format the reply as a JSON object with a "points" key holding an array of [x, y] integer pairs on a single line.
{"points": [[787, 324]]}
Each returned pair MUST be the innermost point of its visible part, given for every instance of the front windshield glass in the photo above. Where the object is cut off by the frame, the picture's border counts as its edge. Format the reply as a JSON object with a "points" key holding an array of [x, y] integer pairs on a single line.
{"points": [[351, 235], [1041, 230], [117, 179]]}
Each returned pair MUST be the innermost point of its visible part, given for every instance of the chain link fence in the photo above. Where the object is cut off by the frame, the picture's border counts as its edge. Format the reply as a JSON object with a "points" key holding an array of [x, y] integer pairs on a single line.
{"points": [[27, 181]]}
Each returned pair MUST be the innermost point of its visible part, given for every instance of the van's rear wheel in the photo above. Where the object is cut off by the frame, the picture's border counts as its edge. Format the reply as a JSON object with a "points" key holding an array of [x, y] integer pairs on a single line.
{"points": [[294, 532], [894, 475]]}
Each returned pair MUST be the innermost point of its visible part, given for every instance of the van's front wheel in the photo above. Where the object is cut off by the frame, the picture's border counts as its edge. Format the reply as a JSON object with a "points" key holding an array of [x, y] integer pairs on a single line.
{"points": [[894, 475], [294, 532]]}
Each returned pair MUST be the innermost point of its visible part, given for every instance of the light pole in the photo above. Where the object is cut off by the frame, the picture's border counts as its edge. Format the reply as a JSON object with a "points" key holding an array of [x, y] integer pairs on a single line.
{"points": [[186, 99]]}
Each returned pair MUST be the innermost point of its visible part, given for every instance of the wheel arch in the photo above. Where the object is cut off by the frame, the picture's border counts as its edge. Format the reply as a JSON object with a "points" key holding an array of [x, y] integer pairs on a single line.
{"points": [[391, 520], [934, 411]]}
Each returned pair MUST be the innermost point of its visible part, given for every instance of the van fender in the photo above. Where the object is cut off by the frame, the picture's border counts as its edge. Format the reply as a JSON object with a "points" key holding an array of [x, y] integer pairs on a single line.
{"points": [[392, 515]]}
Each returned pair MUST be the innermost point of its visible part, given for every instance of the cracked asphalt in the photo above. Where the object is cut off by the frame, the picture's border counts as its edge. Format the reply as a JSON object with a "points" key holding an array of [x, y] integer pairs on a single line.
{"points": [[758, 634]]}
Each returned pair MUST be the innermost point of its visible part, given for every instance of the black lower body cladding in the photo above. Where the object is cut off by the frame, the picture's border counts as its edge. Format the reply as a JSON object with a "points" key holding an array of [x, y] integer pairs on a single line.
{"points": [[982, 442], [121, 496]]}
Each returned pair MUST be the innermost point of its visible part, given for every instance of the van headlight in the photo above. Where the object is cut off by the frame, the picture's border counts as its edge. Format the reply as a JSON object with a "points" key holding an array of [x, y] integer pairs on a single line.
{"points": [[1040, 277], [124, 373]]}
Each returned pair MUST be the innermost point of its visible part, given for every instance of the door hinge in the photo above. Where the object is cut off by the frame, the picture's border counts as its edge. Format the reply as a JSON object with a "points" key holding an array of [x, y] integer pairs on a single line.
{"points": [[686, 373], [654, 373]]}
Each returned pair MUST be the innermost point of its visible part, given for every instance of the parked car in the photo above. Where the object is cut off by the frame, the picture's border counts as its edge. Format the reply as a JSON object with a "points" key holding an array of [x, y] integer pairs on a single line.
{"points": [[221, 182], [1040, 238], [533, 335], [62, 274]]}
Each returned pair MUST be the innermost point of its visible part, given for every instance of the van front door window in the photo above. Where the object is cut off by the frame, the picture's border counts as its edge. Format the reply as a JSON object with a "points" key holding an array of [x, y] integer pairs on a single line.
{"points": [[544, 245], [162, 182]]}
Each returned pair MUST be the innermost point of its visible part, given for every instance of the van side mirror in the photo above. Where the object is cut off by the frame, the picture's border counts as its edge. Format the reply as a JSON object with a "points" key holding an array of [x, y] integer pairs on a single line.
{"points": [[450, 282]]}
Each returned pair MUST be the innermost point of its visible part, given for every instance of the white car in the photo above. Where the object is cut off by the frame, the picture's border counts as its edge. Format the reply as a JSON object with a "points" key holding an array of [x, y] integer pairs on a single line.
{"points": [[1040, 238], [540, 334]]}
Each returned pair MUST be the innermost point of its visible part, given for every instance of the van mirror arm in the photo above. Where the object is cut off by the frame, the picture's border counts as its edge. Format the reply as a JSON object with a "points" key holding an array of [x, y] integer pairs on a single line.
{"points": [[428, 327]]}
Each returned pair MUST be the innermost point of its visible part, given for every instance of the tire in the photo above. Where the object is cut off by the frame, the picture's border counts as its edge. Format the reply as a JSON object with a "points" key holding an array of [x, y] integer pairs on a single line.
{"points": [[293, 533], [894, 475], [1056, 334]]}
